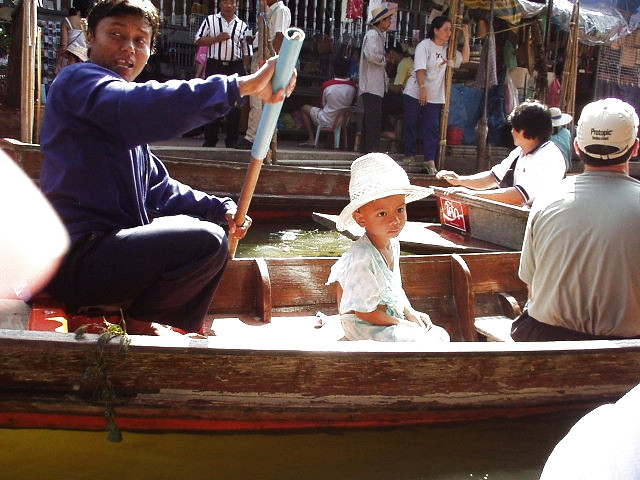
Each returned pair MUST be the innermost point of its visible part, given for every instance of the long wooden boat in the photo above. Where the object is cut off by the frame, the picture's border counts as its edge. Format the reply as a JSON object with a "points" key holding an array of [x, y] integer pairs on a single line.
{"points": [[421, 238], [467, 224], [270, 368], [482, 219], [282, 190]]}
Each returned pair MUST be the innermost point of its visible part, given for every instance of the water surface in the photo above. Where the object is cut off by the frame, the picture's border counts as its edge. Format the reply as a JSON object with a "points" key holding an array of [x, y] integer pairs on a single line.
{"points": [[513, 449], [304, 239]]}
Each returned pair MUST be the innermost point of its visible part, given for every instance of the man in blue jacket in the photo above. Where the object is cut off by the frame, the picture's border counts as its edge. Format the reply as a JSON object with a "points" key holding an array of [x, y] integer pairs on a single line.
{"points": [[140, 239]]}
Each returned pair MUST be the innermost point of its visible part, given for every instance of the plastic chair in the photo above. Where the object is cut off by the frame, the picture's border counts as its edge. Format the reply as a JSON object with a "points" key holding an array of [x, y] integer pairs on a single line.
{"points": [[338, 129]]}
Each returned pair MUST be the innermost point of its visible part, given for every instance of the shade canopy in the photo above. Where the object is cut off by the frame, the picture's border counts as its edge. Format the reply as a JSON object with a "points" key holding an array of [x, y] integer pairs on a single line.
{"points": [[600, 22]]}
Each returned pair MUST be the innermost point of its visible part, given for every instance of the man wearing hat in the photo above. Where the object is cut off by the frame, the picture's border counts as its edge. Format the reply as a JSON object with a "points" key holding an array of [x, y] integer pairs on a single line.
{"points": [[561, 135], [581, 248], [373, 80]]}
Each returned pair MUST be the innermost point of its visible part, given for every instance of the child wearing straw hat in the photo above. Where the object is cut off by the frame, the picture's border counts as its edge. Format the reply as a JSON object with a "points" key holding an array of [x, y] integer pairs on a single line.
{"points": [[371, 301]]}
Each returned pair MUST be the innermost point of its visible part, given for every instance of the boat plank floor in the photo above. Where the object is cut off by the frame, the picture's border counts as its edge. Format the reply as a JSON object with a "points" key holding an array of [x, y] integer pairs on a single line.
{"points": [[495, 328], [286, 327]]}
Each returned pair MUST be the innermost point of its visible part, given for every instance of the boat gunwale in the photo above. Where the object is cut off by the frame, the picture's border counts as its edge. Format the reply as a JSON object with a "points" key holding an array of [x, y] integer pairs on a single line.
{"points": [[212, 345]]}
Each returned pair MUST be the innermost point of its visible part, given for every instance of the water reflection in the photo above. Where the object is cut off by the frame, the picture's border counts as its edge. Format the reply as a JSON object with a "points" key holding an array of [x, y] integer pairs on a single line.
{"points": [[307, 239]]}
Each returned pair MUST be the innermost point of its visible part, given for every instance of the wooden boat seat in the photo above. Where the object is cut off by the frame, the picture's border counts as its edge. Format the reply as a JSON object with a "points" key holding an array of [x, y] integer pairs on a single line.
{"points": [[495, 328], [461, 290], [498, 294]]}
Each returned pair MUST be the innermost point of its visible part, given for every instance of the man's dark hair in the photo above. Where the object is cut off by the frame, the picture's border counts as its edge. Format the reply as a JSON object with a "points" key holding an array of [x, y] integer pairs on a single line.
{"points": [[341, 67], [604, 162], [437, 22], [84, 6], [533, 119], [118, 8]]}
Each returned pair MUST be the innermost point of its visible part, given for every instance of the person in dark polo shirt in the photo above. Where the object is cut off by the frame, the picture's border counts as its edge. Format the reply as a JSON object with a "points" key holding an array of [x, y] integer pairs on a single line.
{"points": [[140, 240]]}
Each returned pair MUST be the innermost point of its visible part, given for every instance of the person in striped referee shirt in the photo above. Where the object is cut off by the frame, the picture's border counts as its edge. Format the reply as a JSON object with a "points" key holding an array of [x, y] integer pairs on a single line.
{"points": [[229, 51]]}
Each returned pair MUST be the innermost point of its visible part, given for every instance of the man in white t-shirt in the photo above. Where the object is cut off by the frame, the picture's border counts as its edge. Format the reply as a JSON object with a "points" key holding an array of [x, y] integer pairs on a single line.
{"points": [[581, 249], [278, 21], [337, 94], [536, 164]]}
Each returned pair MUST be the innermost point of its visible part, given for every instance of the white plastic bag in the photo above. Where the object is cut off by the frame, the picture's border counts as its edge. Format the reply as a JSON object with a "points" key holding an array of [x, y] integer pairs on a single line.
{"points": [[32, 239]]}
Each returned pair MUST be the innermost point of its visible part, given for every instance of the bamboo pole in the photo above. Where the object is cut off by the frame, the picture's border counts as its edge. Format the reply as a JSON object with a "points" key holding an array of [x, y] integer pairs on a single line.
{"points": [[29, 26], [184, 13], [483, 127], [332, 19], [570, 73], [38, 89], [456, 20], [547, 37]]}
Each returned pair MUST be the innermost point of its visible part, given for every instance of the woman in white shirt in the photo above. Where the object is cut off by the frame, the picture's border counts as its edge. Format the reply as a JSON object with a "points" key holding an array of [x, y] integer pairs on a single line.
{"points": [[424, 93]]}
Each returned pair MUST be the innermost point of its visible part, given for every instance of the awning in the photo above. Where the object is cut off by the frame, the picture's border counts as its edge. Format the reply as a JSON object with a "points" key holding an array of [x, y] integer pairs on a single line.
{"points": [[512, 11], [600, 23]]}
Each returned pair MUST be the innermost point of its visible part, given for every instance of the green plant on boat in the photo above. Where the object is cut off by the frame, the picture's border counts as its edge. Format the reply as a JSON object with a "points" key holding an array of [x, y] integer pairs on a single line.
{"points": [[98, 372]]}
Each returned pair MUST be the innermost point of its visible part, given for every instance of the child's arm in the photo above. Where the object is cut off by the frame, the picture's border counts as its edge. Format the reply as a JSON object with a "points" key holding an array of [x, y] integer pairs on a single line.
{"points": [[421, 318], [377, 317]]}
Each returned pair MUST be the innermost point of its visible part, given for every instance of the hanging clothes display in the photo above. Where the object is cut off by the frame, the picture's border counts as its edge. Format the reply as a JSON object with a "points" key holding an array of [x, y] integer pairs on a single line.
{"points": [[487, 65], [355, 8]]}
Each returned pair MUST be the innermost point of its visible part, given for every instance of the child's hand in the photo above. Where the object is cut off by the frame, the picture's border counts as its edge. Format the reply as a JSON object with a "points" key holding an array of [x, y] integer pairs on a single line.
{"points": [[422, 319]]}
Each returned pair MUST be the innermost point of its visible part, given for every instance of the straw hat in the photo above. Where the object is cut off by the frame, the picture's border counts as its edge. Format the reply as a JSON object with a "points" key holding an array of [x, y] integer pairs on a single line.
{"points": [[558, 118], [78, 51], [381, 13], [375, 176]]}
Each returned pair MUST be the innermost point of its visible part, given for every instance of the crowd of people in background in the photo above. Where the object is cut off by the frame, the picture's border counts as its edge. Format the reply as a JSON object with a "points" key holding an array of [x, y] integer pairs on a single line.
{"points": [[400, 87]]}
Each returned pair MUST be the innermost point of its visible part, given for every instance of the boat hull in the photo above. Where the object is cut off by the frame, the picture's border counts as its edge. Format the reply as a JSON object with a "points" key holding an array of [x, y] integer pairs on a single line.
{"points": [[282, 191], [205, 388], [273, 366]]}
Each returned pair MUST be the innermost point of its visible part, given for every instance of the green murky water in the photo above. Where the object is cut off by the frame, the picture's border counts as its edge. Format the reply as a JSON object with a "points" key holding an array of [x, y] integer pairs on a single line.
{"points": [[307, 239]]}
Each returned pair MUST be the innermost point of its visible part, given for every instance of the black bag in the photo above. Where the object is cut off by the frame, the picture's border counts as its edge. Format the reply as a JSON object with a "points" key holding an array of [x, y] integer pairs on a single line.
{"points": [[507, 180]]}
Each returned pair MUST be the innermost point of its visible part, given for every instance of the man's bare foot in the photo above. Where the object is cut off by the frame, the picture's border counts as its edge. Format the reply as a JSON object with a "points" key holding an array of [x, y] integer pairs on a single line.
{"points": [[137, 327]]}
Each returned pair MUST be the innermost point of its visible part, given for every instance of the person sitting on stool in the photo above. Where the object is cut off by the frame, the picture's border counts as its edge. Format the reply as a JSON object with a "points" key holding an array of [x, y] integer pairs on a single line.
{"points": [[337, 94]]}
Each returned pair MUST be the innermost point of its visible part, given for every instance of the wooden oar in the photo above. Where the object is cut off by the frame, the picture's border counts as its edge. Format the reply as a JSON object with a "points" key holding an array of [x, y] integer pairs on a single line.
{"points": [[287, 59]]}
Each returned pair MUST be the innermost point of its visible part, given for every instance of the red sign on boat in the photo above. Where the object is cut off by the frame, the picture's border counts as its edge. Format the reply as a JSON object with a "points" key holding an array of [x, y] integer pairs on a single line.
{"points": [[452, 214]]}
